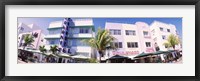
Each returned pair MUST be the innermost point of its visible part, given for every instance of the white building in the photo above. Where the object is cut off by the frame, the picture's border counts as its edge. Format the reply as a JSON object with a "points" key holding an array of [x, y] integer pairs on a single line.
{"points": [[160, 32], [132, 39], [68, 35], [31, 29]]}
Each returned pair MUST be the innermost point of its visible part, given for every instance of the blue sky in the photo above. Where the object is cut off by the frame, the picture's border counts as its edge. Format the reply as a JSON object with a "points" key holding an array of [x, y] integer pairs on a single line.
{"points": [[43, 22]]}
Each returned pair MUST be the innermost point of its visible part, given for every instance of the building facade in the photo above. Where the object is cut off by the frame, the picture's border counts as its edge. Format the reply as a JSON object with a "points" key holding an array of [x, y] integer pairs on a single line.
{"points": [[131, 39], [31, 29], [160, 32], [69, 34]]}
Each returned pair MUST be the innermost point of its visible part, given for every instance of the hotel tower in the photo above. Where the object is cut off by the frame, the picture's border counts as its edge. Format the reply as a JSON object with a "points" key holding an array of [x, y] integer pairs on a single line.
{"points": [[69, 34]]}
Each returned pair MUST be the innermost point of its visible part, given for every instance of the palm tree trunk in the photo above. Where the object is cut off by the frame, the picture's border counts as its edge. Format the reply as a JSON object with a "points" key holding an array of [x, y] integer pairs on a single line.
{"points": [[174, 47]]}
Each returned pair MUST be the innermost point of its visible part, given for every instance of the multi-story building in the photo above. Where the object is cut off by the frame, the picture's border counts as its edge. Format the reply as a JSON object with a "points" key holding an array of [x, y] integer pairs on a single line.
{"points": [[131, 39], [31, 29], [160, 32], [69, 34]]}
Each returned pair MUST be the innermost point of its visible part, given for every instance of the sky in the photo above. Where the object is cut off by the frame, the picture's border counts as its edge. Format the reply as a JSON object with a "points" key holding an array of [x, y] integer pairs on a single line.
{"points": [[43, 22]]}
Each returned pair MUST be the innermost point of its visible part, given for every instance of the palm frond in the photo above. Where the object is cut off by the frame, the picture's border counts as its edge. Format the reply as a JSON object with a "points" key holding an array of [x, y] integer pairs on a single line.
{"points": [[172, 40]]}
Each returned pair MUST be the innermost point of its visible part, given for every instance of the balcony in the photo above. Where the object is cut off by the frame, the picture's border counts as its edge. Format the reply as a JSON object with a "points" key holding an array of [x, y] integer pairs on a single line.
{"points": [[54, 36], [89, 35]]}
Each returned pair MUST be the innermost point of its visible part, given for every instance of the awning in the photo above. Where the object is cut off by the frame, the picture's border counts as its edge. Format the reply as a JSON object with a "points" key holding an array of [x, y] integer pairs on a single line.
{"points": [[159, 52], [143, 54], [79, 57], [64, 55], [163, 52], [33, 51], [118, 57]]}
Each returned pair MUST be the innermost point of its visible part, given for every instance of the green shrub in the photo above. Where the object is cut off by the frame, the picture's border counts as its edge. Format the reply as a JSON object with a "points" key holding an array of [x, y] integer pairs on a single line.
{"points": [[92, 60]]}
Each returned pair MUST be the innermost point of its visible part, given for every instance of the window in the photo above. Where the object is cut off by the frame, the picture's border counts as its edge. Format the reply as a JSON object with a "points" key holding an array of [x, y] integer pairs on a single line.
{"points": [[132, 44], [168, 30], [161, 29], [81, 43], [77, 42], [120, 44], [129, 45], [52, 42], [84, 30], [55, 31], [130, 32], [115, 32], [145, 33], [117, 44], [22, 29], [74, 42], [148, 44], [163, 37], [35, 34]]}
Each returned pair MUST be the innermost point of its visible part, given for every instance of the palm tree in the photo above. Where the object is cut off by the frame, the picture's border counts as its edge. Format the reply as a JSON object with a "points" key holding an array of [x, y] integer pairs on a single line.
{"points": [[172, 40], [42, 49], [54, 49], [28, 40], [101, 42]]}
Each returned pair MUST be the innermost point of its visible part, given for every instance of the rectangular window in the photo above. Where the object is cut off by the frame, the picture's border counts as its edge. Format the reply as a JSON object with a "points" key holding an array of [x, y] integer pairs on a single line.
{"points": [[145, 33], [130, 32], [78, 42], [55, 31], [129, 44], [161, 29], [132, 44], [168, 30], [163, 37], [74, 42], [111, 32], [69, 43], [120, 44], [148, 44], [117, 44], [84, 30], [119, 32], [115, 32]]}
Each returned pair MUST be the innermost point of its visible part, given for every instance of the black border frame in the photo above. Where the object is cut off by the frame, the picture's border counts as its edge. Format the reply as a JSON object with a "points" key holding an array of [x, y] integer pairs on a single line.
{"points": [[3, 3]]}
